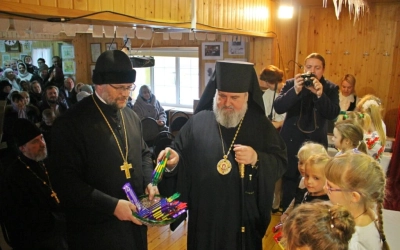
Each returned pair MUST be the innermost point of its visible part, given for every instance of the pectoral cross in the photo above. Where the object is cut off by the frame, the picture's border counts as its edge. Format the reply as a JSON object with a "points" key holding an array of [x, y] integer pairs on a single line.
{"points": [[54, 195], [125, 167]]}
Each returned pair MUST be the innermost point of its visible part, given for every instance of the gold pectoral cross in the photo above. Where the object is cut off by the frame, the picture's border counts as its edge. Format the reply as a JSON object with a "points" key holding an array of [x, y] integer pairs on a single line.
{"points": [[54, 195], [126, 168]]}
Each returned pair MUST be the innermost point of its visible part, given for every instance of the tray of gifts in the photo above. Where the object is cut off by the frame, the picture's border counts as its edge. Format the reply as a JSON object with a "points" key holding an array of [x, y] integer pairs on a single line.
{"points": [[160, 211]]}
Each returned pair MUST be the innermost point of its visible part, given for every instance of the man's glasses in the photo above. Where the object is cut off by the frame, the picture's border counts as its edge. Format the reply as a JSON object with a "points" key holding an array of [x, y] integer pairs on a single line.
{"points": [[124, 89]]}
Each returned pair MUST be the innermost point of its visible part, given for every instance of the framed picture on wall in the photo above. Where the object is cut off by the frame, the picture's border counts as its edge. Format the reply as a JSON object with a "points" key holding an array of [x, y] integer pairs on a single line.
{"points": [[236, 46], [5, 58], [12, 46], [26, 46], [95, 50], [111, 46], [212, 50], [68, 67], [67, 52]]}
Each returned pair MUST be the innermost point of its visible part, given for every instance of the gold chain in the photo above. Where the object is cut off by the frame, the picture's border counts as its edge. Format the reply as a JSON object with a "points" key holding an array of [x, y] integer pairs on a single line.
{"points": [[233, 141], [112, 131], [47, 184]]}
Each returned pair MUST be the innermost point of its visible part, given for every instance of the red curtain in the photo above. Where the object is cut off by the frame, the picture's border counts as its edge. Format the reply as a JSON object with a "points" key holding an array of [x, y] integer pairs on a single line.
{"points": [[392, 200]]}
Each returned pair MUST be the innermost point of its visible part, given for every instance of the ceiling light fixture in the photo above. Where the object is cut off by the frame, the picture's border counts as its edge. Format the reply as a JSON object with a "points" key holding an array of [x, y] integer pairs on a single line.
{"points": [[285, 12]]}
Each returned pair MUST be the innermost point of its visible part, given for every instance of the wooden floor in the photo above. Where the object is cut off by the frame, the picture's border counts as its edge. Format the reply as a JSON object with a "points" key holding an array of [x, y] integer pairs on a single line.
{"points": [[162, 238]]}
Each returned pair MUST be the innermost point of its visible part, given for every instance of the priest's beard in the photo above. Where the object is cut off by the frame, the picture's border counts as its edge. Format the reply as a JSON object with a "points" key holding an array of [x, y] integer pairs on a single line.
{"points": [[115, 102], [38, 156], [42, 155], [227, 116]]}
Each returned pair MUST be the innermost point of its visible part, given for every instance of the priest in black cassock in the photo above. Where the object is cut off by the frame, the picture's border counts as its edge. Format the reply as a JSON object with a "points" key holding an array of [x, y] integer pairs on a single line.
{"points": [[230, 127], [97, 148], [30, 208]]}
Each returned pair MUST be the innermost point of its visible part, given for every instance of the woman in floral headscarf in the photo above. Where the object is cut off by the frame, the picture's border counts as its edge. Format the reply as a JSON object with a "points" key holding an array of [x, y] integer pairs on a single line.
{"points": [[375, 136]]}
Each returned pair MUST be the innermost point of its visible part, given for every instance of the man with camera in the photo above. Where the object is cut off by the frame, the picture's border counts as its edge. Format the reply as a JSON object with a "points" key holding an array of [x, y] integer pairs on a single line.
{"points": [[309, 101]]}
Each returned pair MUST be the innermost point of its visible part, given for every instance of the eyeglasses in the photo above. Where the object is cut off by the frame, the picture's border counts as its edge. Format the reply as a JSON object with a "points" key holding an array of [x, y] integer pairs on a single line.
{"points": [[123, 89], [330, 190]]}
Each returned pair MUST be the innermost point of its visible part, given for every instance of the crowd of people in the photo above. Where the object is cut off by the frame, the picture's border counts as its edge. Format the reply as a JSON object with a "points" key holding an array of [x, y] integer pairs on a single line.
{"points": [[242, 156]]}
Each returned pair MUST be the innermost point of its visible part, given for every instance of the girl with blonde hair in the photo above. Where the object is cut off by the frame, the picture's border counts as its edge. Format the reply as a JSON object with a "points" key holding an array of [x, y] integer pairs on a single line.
{"points": [[348, 135], [362, 119], [357, 182], [375, 136], [305, 152]]}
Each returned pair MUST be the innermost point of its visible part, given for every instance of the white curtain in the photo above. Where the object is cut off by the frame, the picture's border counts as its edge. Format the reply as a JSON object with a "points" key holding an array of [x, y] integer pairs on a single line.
{"points": [[44, 53]]}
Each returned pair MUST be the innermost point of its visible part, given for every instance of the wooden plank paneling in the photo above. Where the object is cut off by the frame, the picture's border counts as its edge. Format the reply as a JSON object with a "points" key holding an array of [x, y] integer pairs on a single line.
{"points": [[166, 6], [174, 9], [261, 52], [34, 2], [158, 10], [182, 10], [106, 5], [119, 6], [199, 10], [50, 3], [80, 4], [94, 5], [65, 4], [149, 9]]}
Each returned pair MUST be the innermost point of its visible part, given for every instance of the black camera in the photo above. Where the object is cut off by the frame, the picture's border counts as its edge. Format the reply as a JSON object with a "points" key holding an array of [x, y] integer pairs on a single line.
{"points": [[307, 79]]}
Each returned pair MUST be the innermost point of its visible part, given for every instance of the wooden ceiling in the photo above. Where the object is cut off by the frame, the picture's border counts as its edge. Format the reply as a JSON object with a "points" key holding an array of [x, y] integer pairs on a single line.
{"points": [[330, 2]]}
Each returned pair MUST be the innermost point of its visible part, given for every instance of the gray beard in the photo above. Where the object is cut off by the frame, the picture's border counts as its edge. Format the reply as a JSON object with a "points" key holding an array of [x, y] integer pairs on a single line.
{"points": [[40, 156], [228, 119]]}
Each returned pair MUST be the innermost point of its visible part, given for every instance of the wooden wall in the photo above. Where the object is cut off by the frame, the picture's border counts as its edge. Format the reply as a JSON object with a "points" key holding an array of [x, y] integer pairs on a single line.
{"points": [[249, 17], [368, 49], [234, 16]]}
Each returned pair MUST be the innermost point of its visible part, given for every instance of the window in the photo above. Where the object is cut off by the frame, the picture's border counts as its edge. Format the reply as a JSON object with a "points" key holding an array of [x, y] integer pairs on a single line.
{"points": [[174, 80], [44, 53]]}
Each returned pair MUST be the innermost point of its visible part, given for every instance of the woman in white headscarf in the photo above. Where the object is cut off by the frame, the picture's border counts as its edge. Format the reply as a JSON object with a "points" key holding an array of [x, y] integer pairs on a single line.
{"points": [[23, 74], [12, 79]]}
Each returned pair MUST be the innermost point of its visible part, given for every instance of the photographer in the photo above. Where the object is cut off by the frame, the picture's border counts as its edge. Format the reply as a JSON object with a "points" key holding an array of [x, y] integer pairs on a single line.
{"points": [[309, 101]]}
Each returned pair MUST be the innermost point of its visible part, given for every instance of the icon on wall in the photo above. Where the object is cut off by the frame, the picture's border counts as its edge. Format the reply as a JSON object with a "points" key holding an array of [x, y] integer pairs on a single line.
{"points": [[12, 46]]}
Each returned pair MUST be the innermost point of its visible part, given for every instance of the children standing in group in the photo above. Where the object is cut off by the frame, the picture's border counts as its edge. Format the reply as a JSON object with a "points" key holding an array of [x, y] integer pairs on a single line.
{"points": [[317, 226], [347, 135], [319, 158], [357, 182]]}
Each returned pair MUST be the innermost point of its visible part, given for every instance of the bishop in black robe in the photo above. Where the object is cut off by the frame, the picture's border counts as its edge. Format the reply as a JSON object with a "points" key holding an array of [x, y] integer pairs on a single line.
{"points": [[214, 200]]}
